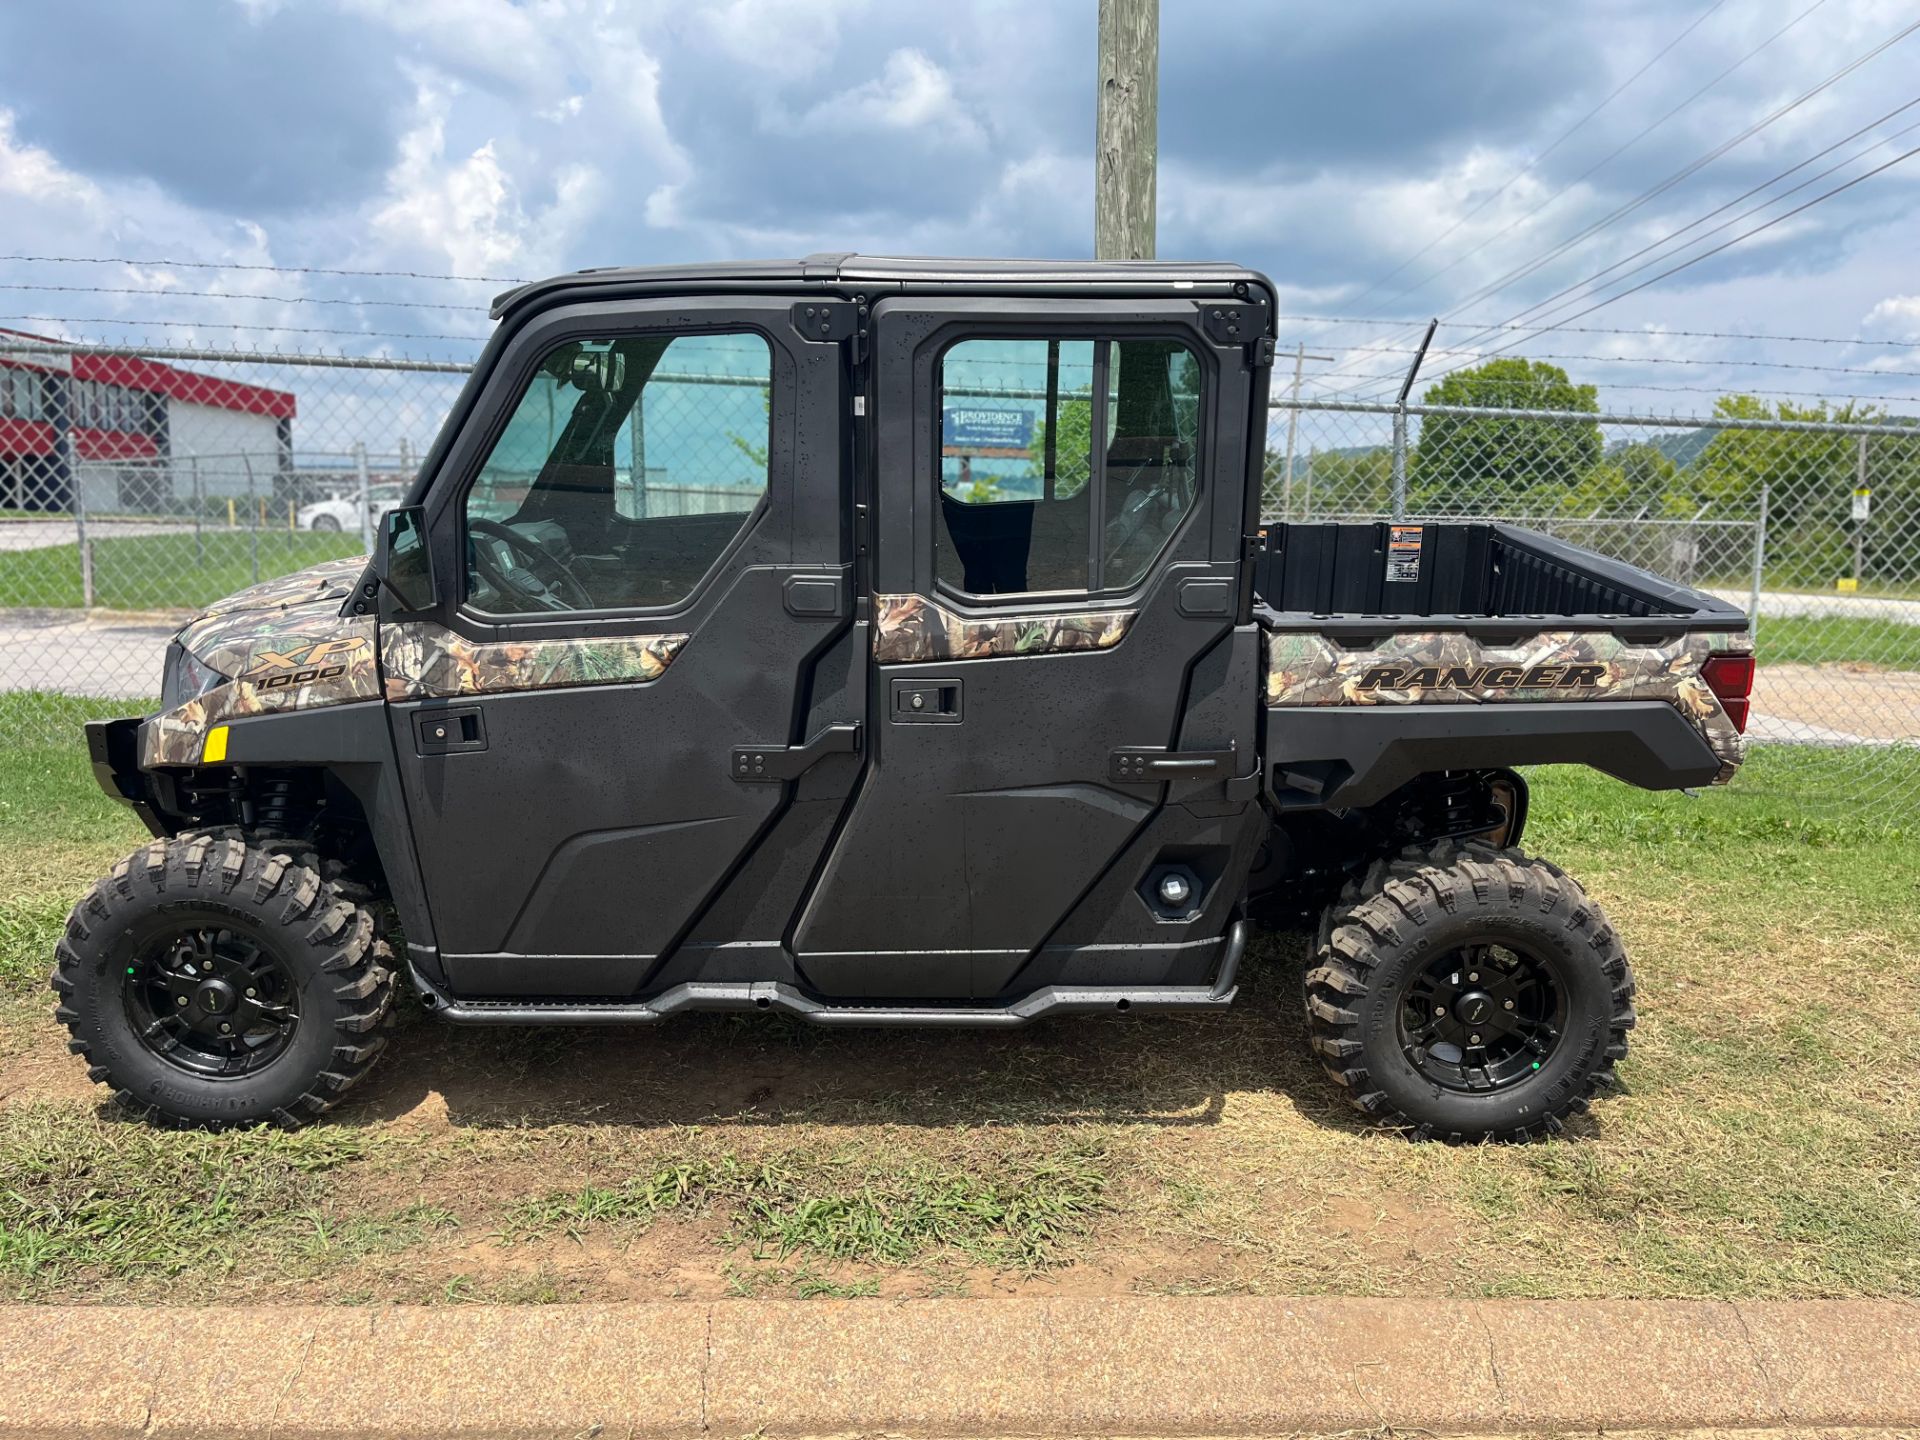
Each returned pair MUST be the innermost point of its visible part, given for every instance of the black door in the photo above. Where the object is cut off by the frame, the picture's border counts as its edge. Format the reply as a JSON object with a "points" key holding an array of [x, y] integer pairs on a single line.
{"points": [[640, 537], [1061, 504]]}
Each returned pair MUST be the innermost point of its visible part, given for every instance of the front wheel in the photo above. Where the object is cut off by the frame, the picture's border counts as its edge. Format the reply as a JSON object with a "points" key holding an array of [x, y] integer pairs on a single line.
{"points": [[326, 523], [1464, 992], [210, 982]]}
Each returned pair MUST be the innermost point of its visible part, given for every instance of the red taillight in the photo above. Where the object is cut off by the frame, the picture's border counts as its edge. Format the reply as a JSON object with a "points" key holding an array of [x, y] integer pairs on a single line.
{"points": [[1730, 677]]}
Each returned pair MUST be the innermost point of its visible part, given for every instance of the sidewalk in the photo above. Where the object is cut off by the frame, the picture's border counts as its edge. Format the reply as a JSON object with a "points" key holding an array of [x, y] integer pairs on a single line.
{"points": [[960, 1367]]}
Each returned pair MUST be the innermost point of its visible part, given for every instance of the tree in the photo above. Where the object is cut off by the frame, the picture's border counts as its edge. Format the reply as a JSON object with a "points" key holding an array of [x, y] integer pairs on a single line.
{"points": [[1504, 464], [1809, 478]]}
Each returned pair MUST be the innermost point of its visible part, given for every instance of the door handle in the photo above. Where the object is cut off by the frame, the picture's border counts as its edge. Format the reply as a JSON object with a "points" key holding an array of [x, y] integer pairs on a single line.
{"points": [[449, 731], [754, 764]]}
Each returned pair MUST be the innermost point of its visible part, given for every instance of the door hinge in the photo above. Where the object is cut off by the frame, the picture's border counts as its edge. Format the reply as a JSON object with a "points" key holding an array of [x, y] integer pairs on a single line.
{"points": [[774, 763], [1239, 322], [828, 322]]}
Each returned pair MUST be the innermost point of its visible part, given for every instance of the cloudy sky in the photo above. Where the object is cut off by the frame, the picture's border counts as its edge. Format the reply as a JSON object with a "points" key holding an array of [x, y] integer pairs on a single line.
{"points": [[1383, 161]]}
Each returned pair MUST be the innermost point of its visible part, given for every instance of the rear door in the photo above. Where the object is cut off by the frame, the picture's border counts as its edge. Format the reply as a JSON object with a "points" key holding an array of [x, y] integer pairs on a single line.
{"points": [[1061, 497], [640, 535]]}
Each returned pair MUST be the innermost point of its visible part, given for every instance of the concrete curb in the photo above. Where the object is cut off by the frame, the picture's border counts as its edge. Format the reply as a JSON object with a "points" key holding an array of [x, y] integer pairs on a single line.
{"points": [[1054, 1367]]}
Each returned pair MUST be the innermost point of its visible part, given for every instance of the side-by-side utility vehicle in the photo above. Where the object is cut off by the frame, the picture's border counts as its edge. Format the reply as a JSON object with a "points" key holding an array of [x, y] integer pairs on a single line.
{"points": [[886, 642]]}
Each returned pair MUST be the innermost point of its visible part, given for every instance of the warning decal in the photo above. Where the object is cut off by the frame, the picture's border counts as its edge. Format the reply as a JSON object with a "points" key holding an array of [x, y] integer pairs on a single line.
{"points": [[1403, 552]]}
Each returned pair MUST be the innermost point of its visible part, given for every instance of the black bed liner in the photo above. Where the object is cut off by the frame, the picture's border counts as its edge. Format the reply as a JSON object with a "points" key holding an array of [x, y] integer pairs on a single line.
{"points": [[1467, 573]]}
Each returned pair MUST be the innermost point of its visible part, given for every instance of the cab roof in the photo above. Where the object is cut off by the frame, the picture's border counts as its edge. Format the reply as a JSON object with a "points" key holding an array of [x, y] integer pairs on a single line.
{"points": [[901, 275]]}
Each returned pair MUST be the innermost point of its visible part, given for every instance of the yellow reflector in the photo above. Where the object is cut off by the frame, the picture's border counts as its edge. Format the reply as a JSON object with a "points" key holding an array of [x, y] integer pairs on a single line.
{"points": [[215, 749]]}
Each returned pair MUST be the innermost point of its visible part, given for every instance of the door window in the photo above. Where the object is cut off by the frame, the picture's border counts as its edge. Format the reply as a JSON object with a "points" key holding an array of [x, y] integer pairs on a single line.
{"points": [[1029, 503], [626, 470]]}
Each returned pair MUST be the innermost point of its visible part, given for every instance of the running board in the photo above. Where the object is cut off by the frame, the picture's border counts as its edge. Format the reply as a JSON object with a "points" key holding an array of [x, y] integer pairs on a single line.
{"points": [[773, 995]]}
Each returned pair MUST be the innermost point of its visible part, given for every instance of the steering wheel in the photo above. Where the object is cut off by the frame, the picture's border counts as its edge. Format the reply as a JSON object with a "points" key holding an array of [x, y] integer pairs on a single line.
{"points": [[542, 576]]}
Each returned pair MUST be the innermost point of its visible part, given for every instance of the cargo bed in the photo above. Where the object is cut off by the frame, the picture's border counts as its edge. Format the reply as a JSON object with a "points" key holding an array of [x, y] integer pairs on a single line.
{"points": [[1461, 575]]}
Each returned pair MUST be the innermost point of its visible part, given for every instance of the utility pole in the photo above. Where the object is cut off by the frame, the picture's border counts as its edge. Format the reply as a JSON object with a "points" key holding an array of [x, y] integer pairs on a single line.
{"points": [[1300, 358], [1127, 130]]}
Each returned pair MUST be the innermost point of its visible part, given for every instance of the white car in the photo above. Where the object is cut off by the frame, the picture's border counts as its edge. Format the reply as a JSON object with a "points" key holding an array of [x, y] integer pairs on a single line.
{"points": [[342, 512]]}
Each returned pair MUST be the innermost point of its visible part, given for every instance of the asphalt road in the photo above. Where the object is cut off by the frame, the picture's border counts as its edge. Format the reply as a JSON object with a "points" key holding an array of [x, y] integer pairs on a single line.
{"points": [[54, 650]]}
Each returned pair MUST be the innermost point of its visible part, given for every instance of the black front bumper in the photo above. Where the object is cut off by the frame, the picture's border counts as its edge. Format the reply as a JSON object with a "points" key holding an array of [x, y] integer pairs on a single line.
{"points": [[113, 749]]}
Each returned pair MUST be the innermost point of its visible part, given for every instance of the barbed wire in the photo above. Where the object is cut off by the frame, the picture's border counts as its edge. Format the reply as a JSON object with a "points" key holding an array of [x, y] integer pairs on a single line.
{"points": [[254, 266], [230, 295], [473, 339], [1607, 330], [1705, 362]]}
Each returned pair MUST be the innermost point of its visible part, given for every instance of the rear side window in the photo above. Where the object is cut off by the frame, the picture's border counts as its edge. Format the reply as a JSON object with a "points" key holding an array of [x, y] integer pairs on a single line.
{"points": [[1066, 465], [625, 472]]}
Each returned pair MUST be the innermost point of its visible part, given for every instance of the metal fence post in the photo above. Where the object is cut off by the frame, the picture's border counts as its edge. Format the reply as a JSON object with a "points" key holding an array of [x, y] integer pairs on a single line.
{"points": [[1860, 490], [1399, 507], [1759, 563], [253, 518], [199, 512], [366, 499], [1400, 424]]}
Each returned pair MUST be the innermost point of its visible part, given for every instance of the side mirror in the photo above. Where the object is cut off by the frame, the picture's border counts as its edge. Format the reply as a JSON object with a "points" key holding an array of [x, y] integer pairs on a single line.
{"points": [[403, 562]]}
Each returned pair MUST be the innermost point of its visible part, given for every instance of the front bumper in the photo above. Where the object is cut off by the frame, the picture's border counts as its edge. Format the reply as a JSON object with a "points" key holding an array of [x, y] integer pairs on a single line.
{"points": [[113, 749]]}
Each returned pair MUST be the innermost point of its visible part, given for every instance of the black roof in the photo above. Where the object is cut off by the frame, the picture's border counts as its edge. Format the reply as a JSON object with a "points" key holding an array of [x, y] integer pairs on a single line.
{"points": [[901, 274]]}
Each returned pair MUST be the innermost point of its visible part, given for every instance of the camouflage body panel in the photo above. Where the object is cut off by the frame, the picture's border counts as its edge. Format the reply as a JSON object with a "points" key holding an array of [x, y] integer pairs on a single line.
{"points": [[423, 660], [911, 627], [283, 645], [1451, 667]]}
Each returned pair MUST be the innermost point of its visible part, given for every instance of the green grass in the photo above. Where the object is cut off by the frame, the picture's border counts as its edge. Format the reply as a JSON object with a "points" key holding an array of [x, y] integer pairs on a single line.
{"points": [[1023, 1217], [162, 572], [1831, 639], [1762, 1142]]}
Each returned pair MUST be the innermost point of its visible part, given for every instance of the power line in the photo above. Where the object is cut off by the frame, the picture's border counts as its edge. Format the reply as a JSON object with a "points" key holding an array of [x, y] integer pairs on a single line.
{"points": [[1610, 156], [267, 269], [1526, 169], [1725, 245], [1535, 310]]}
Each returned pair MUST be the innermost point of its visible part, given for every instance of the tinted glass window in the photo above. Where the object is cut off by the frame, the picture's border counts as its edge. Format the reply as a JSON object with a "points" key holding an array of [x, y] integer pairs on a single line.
{"points": [[1022, 479], [627, 467]]}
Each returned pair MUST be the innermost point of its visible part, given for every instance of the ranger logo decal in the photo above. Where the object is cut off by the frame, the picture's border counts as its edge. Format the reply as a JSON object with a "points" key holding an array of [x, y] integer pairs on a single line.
{"points": [[1483, 677]]}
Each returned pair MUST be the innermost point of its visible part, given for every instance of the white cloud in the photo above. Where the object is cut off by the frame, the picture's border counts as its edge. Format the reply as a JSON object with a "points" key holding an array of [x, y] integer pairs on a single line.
{"points": [[911, 93], [1900, 312], [469, 208], [788, 37]]}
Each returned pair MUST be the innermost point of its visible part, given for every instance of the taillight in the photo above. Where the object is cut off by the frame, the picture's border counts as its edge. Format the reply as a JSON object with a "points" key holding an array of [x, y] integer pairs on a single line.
{"points": [[1730, 677]]}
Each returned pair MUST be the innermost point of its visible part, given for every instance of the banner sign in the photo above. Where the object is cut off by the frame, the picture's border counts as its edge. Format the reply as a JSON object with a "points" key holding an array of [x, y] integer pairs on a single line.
{"points": [[968, 427]]}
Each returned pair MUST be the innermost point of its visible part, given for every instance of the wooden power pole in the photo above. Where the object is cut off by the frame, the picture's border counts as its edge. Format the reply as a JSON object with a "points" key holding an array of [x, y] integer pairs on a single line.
{"points": [[1127, 138]]}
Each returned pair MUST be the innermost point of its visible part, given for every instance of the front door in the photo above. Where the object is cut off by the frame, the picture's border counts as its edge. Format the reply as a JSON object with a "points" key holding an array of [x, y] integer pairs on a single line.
{"points": [[1060, 502], [639, 532]]}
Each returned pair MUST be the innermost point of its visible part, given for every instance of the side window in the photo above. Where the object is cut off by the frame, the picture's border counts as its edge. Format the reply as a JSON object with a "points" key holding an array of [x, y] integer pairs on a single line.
{"points": [[626, 469], [1029, 502]]}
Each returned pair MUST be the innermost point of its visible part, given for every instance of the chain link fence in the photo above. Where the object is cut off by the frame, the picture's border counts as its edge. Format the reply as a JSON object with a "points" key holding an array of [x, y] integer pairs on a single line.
{"points": [[136, 486]]}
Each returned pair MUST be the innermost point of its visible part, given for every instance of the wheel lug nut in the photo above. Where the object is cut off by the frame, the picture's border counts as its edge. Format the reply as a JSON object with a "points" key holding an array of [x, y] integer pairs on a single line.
{"points": [[179, 999], [1474, 976], [1471, 1039], [1508, 1003], [251, 992], [1439, 1010], [226, 1029]]}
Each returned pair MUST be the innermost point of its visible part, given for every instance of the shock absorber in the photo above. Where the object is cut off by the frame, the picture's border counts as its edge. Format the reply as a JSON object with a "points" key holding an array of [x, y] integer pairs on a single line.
{"points": [[274, 803]]}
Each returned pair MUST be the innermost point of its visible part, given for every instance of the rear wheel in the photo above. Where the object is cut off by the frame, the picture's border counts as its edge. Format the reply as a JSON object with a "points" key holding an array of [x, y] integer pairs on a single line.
{"points": [[326, 522], [1469, 993], [211, 982]]}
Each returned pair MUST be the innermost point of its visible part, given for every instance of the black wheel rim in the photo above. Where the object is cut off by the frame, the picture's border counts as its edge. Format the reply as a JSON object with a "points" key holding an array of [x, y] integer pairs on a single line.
{"points": [[212, 1001], [1482, 1018]]}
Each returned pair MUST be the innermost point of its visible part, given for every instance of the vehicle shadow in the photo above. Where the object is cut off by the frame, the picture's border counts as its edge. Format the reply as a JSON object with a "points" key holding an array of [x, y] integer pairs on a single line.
{"points": [[769, 1069]]}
